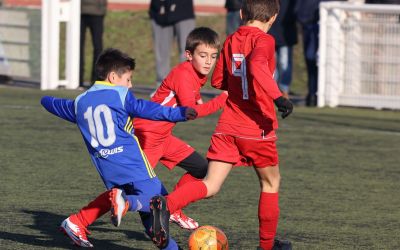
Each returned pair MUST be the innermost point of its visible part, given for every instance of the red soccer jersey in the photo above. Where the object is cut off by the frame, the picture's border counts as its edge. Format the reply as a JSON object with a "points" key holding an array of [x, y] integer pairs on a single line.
{"points": [[181, 87], [245, 68]]}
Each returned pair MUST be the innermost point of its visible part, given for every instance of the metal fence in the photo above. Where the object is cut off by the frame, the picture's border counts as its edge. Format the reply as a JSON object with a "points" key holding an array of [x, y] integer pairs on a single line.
{"points": [[359, 55]]}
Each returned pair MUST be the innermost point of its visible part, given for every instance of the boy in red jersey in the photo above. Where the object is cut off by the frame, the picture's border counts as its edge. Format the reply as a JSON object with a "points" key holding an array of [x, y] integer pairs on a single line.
{"points": [[245, 133], [180, 88]]}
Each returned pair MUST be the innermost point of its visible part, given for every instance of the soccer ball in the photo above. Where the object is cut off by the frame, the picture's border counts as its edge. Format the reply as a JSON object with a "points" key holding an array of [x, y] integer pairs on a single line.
{"points": [[208, 238]]}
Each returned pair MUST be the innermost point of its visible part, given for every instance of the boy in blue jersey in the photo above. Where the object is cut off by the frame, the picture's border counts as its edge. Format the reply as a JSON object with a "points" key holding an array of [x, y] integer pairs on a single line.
{"points": [[103, 115]]}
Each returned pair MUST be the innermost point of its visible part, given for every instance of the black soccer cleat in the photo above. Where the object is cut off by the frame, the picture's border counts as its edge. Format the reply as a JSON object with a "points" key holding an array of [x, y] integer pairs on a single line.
{"points": [[160, 221], [282, 245]]}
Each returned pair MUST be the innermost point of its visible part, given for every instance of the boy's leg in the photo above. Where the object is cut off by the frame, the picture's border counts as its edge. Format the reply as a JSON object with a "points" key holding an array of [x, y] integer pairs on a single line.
{"points": [[160, 221], [190, 192], [176, 152], [268, 207], [216, 174], [158, 226], [95, 209], [263, 156], [75, 226], [197, 190], [196, 167], [101, 205], [140, 193], [147, 223]]}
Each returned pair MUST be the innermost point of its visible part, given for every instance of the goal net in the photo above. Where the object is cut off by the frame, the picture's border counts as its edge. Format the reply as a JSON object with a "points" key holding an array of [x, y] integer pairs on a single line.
{"points": [[359, 55]]}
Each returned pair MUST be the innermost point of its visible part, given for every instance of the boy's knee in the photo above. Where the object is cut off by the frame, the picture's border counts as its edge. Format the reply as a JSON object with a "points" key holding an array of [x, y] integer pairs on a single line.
{"points": [[212, 190], [270, 184], [200, 172]]}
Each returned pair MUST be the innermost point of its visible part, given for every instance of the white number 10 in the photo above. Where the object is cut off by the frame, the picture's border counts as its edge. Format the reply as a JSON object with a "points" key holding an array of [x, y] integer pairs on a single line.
{"points": [[96, 127]]}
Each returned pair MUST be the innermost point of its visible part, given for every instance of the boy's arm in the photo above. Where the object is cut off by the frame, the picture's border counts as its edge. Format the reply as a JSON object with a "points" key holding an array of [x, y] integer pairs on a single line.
{"points": [[154, 111], [185, 97], [218, 79], [261, 69], [211, 106], [63, 108]]}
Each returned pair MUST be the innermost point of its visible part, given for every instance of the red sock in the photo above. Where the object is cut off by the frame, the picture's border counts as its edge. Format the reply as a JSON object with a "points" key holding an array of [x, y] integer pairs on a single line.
{"points": [[185, 194], [95, 209], [185, 179], [268, 216]]}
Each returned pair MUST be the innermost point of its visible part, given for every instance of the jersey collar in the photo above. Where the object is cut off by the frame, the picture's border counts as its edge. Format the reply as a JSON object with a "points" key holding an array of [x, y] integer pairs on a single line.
{"points": [[104, 83]]}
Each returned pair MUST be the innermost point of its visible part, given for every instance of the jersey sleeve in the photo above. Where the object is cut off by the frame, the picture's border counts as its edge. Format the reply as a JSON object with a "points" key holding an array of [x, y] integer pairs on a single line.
{"points": [[211, 106], [187, 97], [261, 66], [63, 108], [153, 111], [219, 76]]}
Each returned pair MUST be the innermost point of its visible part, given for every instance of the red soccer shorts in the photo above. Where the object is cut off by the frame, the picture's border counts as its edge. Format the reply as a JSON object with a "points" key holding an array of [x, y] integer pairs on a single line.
{"points": [[243, 151], [169, 150]]}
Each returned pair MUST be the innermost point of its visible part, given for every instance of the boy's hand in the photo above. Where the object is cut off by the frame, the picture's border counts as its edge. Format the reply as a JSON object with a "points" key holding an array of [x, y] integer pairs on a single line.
{"points": [[284, 106], [190, 113]]}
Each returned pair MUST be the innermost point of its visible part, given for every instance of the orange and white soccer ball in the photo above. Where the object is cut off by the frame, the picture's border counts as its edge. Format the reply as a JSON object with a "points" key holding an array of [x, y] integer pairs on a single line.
{"points": [[208, 238]]}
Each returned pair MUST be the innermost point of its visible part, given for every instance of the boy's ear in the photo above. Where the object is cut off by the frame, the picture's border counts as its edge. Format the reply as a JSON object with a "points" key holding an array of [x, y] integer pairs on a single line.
{"points": [[188, 55], [272, 19], [111, 77]]}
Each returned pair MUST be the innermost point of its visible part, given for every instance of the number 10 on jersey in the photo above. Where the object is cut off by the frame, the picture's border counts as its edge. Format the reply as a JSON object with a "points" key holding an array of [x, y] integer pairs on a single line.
{"points": [[96, 126]]}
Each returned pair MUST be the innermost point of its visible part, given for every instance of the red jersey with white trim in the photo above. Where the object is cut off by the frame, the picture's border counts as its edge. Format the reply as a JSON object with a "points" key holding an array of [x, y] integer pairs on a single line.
{"points": [[181, 87], [245, 69]]}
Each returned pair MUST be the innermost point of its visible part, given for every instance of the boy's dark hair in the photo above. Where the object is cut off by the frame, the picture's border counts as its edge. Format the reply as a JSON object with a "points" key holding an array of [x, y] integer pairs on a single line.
{"points": [[113, 60], [260, 10], [202, 35]]}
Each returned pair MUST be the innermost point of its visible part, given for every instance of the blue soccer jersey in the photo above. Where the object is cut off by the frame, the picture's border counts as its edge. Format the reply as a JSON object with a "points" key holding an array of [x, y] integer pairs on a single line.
{"points": [[103, 115]]}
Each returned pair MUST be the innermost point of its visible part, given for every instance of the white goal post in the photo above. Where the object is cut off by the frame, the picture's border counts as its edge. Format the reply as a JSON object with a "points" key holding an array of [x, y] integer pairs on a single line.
{"points": [[54, 12], [359, 55]]}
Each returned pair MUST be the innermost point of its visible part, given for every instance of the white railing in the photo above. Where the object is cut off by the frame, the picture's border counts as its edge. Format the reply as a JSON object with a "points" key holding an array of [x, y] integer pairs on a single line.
{"points": [[359, 55], [55, 12]]}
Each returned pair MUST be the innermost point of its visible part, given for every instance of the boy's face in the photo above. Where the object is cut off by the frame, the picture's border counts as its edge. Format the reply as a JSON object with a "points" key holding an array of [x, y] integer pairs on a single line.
{"points": [[123, 80], [203, 58]]}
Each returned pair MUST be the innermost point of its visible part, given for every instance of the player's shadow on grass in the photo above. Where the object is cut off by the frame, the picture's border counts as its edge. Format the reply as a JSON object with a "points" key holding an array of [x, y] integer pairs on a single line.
{"points": [[46, 224]]}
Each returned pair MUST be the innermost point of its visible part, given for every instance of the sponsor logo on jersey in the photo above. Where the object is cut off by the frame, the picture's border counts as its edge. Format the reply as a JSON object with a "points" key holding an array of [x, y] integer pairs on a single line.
{"points": [[104, 153]]}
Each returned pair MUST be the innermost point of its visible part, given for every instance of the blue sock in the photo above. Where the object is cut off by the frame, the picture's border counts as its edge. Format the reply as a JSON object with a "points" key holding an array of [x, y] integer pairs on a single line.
{"points": [[171, 245], [139, 203]]}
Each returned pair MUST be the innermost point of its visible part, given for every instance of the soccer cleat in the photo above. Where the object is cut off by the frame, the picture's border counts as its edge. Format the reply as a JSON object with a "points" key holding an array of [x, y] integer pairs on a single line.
{"points": [[160, 221], [75, 231], [183, 221], [119, 206], [282, 245]]}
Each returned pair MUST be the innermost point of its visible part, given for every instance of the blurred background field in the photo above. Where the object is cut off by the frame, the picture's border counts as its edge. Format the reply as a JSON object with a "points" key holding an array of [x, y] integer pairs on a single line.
{"points": [[131, 32], [340, 180]]}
